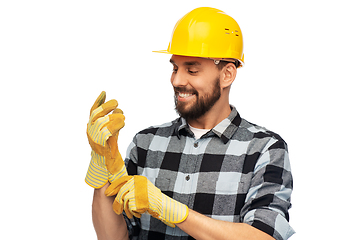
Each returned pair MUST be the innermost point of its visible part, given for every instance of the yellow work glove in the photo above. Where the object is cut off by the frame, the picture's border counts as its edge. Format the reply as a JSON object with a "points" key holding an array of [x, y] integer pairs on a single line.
{"points": [[137, 195], [102, 131]]}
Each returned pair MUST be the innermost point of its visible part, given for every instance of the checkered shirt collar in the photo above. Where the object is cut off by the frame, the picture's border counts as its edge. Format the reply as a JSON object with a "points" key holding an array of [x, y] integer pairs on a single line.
{"points": [[224, 130]]}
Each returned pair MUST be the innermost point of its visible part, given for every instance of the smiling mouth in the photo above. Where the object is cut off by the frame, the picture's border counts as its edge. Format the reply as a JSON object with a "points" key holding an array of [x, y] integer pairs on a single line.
{"points": [[185, 95]]}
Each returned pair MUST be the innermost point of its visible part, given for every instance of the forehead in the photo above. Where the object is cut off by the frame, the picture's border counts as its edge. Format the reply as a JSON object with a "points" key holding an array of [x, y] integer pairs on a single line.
{"points": [[189, 61]]}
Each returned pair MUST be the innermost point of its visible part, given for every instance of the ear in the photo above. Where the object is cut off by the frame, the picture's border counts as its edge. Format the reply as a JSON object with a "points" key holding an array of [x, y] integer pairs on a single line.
{"points": [[228, 75]]}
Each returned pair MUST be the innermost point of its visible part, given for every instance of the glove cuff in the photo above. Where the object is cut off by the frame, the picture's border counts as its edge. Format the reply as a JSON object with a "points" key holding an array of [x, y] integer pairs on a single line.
{"points": [[174, 211], [164, 208], [97, 176]]}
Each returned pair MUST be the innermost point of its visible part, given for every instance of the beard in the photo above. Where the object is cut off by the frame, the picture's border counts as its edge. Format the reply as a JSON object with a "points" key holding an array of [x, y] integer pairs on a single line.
{"points": [[201, 105]]}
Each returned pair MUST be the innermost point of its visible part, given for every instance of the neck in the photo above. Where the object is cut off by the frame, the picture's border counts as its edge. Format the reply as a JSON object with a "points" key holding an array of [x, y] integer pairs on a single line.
{"points": [[214, 116]]}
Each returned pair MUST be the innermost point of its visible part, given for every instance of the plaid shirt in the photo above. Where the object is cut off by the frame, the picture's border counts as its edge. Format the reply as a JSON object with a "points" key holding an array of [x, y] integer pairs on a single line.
{"points": [[237, 172]]}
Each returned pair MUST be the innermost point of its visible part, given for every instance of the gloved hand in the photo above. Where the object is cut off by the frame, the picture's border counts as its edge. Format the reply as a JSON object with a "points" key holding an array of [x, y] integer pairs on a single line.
{"points": [[137, 195], [102, 131]]}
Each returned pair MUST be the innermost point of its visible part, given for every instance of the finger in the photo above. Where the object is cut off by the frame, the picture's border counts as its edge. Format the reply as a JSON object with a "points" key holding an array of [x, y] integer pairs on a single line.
{"points": [[129, 205], [100, 100], [125, 189], [117, 207], [136, 214], [104, 109], [109, 106], [115, 186], [126, 209], [115, 123], [118, 110]]}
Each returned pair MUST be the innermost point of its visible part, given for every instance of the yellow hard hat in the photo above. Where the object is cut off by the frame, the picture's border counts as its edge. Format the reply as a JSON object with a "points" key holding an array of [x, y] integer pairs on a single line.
{"points": [[208, 33]]}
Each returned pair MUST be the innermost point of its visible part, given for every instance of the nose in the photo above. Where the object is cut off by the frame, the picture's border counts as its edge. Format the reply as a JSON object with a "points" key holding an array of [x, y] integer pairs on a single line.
{"points": [[178, 79]]}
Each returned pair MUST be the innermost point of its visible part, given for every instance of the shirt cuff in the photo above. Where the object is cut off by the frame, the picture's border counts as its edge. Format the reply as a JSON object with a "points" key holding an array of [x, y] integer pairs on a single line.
{"points": [[270, 222]]}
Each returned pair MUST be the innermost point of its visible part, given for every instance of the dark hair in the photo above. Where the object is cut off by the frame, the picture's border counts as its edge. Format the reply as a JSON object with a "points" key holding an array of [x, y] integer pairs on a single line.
{"points": [[224, 63]]}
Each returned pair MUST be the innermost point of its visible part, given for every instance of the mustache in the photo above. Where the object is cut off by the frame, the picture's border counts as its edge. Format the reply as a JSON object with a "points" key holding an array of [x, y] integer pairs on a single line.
{"points": [[185, 90]]}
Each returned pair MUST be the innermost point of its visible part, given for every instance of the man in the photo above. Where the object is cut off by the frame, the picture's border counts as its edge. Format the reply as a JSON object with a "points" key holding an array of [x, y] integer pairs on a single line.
{"points": [[209, 174]]}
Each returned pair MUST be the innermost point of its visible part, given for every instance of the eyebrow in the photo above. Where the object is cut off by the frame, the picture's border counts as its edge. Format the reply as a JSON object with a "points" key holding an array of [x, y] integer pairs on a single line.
{"points": [[191, 63]]}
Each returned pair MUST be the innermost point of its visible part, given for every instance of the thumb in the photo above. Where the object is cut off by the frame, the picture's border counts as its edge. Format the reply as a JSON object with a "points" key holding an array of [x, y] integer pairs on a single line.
{"points": [[104, 109], [117, 207], [115, 186]]}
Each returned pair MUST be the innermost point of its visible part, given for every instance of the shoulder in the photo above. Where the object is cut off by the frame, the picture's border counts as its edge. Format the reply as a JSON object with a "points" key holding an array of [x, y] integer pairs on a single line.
{"points": [[157, 129], [257, 139], [164, 130], [267, 150], [256, 132]]}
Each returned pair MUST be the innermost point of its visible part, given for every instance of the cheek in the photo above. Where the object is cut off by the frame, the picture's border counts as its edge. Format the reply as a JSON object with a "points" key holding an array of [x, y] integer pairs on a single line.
{"points": [[208, 86]]}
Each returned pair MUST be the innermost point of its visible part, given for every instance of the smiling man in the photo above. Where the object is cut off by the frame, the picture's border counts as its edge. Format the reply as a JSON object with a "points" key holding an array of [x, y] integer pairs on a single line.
{"points": [[209, 174], [201, 90]]}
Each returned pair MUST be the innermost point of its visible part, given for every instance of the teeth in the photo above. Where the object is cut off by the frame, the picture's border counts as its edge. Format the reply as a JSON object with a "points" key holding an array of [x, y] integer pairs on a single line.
{"points": [[184, 95]]}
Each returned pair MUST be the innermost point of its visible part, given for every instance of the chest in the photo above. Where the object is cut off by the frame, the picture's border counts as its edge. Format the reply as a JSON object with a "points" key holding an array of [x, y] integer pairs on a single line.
{"points": [[205, 174]]}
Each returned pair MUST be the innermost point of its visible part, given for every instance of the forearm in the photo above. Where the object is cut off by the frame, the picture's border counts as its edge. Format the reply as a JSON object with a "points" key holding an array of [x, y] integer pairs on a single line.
{"points": [[201, 227], [108, 225]]}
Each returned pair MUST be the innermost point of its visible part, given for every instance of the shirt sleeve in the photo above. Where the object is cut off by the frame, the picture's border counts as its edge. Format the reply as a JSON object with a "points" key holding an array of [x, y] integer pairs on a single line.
{"points": [[133, 225], [268, 199], [131, 158]]}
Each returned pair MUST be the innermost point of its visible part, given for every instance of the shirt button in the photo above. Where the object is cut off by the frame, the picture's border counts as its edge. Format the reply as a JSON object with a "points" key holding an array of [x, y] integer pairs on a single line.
{"points": [[187, 178], [196, 145]]}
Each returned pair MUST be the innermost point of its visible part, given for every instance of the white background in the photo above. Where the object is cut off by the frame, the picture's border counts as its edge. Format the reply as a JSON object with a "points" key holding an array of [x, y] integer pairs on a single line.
{"points": [[57, 56]]}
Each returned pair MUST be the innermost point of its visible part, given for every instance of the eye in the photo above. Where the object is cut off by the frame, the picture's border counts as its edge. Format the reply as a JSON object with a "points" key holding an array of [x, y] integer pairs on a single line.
{"points": [[192, 71], [175, 68]]}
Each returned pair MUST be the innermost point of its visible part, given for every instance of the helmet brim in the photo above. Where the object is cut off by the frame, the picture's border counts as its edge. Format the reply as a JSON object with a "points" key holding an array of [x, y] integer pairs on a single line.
{"points": [[162, 51]]}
